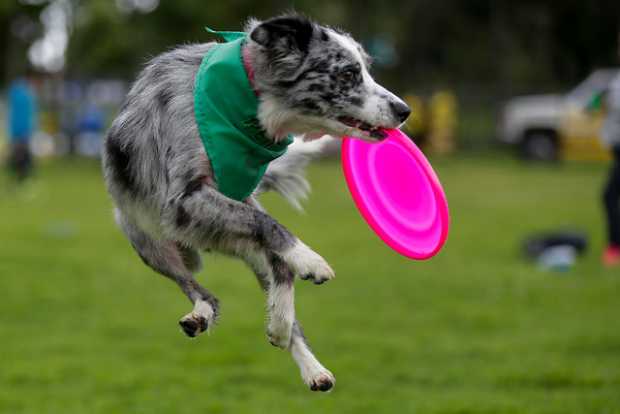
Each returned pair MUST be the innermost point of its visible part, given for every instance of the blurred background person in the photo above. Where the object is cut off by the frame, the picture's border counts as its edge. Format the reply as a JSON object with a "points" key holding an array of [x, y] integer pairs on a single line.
{"points": [[22, 114], [611, 195]]}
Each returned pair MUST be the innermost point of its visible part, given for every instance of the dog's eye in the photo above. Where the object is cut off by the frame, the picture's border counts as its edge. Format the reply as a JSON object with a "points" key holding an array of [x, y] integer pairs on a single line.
{"points": [[347, 75]]}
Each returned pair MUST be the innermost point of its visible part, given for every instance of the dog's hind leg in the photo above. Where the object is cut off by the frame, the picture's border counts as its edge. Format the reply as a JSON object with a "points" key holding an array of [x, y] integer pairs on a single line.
{"points": [[176, 262], [314, 374], [271, 274]]}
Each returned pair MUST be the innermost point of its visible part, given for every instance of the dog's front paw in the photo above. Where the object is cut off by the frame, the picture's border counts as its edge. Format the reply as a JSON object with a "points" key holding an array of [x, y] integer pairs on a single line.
{"points": [[321, 380], [193, 325], [308, 264], [199, 320]]}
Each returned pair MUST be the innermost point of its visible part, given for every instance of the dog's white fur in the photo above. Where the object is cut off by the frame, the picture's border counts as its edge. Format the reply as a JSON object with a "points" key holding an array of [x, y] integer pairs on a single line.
{"points": [[306, 262]]}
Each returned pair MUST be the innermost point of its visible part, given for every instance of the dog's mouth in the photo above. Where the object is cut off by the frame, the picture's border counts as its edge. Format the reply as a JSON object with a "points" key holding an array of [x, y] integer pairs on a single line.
{"points": [[372, 131]]}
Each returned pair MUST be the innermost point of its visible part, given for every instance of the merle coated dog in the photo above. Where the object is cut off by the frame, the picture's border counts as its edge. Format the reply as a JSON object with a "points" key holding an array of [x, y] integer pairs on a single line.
{"points": [[313, 81]]}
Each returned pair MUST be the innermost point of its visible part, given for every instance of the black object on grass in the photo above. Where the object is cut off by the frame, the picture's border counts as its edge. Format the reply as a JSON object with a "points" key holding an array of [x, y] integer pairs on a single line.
{"points": [[535, 245]]}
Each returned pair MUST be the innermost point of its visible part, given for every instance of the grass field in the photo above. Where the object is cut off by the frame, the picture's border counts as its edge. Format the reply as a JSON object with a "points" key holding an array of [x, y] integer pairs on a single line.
{"points": [[86, 328]]}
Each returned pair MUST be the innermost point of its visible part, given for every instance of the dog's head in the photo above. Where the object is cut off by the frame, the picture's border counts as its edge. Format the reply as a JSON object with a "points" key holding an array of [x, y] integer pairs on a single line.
{"points": [[315, 80]]}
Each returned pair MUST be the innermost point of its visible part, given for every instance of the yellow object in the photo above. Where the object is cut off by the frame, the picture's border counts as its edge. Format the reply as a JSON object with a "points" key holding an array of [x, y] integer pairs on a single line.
{"points": [[443, 122], [580, 136], [48, 122], [416, 123]]}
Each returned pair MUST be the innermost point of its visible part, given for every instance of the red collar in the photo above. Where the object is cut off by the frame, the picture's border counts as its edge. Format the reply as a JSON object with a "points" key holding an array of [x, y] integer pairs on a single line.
{"points": [[249, 70]]}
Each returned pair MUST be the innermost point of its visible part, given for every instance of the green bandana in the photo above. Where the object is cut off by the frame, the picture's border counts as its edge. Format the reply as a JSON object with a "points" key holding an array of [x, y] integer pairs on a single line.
{"points": [[226, 110]]}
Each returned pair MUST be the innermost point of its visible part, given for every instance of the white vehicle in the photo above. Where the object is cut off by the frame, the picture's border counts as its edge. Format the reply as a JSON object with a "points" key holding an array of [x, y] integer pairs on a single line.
{"points": [[538, 123]]}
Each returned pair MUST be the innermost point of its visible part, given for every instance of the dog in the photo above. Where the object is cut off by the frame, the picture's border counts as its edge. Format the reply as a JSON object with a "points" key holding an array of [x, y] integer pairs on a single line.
{"points": [[311, 80]]}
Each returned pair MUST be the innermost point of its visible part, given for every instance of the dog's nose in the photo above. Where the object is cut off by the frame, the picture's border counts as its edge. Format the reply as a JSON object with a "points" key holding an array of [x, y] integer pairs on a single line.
{"points": [[400, 110]]}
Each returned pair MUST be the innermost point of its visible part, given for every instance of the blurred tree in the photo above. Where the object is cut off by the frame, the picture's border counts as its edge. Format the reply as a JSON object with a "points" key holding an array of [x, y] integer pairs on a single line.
{"points": [[499, 44], [502, 42], [17, 28], [117, 43]]}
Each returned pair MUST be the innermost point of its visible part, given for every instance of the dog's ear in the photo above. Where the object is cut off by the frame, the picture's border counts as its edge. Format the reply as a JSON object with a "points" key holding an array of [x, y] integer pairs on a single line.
{"points": [[293, 32]]}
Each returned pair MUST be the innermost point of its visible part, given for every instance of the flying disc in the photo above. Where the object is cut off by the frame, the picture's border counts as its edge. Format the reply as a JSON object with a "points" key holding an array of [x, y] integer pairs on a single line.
{"points": [[398, 194]]}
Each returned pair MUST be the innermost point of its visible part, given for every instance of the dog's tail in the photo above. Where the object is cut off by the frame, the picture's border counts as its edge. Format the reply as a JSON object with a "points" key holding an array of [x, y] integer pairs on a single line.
{"points": [[285, 175]]}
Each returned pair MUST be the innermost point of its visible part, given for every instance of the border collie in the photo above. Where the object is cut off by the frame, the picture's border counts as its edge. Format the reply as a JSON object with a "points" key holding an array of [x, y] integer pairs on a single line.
{"points": [[311, 81]]}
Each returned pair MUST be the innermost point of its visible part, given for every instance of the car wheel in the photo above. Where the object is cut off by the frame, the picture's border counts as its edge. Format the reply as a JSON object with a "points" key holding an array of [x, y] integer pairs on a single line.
{"points": [[540, 146]]}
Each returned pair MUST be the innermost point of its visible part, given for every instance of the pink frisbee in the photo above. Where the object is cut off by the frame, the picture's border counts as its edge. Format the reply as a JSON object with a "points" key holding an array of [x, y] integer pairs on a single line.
{"points": [[398, 193]]}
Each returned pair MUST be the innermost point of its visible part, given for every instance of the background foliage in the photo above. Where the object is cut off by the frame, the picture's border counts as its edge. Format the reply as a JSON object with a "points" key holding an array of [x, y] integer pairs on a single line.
{"points": [[502, 44]]}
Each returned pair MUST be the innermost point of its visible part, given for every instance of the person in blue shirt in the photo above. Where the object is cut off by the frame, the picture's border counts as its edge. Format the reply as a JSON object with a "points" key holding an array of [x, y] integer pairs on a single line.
{"points": [[22, 115]]}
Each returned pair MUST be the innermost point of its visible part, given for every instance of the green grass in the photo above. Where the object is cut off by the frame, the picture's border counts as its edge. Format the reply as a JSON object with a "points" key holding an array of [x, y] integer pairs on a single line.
{"points": [[85, 327]]}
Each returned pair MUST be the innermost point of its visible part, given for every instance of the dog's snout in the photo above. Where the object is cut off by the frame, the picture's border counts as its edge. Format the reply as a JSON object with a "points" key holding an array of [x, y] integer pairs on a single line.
{"points": [[401, 110]]}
